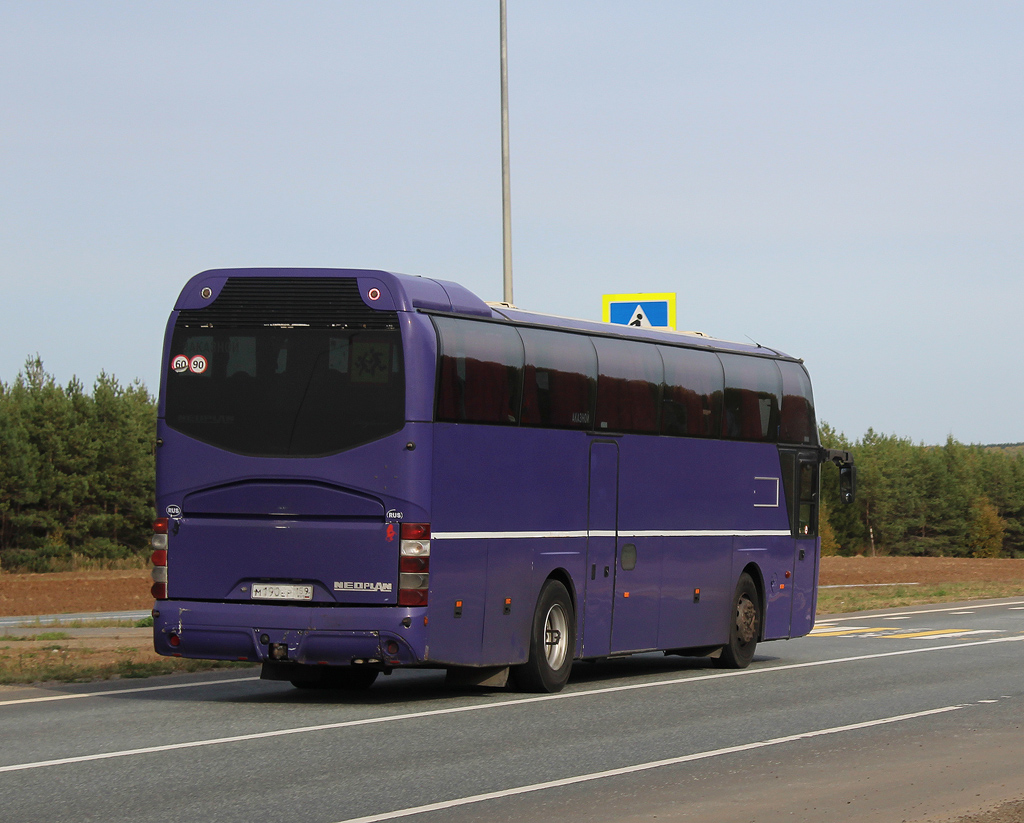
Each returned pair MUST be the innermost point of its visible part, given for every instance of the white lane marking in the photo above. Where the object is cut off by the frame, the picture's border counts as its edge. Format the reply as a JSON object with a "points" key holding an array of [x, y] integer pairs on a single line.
{"points": [[1017, 605], [641, 767], [48, 698], [370, 721], [897, 618], [866, 585]]}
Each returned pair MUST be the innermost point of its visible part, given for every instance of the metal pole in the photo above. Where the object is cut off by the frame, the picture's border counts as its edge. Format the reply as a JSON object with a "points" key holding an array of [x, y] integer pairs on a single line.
{"points": [[506, 199]]}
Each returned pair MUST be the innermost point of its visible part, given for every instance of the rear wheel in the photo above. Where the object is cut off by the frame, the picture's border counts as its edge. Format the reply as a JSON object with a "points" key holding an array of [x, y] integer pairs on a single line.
{"points": [[552, 642], [744, 626]]}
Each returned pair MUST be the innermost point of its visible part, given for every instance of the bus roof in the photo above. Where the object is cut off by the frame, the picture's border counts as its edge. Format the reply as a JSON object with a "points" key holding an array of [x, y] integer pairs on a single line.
{"points": [[404, 292]]}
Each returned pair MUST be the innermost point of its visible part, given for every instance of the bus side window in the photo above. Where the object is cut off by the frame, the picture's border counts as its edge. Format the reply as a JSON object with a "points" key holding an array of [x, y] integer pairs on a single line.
{"points": [[628, 386], [753, 391], [692, 399], [797, 424], [481, 372], [559, 379]]}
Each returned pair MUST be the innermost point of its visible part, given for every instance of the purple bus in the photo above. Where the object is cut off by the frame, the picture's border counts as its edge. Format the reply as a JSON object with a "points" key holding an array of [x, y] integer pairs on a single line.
{"points": [[359, 471]]}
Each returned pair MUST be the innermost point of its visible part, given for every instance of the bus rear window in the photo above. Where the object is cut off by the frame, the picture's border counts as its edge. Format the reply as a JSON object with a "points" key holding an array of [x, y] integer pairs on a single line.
{"points": [[275, 391]]}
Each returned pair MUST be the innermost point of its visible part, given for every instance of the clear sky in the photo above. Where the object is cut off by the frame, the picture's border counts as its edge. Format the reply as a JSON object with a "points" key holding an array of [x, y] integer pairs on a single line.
{"points": [[841, 181]]}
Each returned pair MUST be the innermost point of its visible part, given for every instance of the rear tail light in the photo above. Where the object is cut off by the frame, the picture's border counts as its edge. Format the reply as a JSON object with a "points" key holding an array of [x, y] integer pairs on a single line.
{"points": [[159, 559], [414, 564]]}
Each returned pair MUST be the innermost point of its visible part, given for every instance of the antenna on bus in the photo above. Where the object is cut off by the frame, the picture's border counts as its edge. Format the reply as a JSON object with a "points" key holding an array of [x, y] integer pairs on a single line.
{"points": [[766, 348]]}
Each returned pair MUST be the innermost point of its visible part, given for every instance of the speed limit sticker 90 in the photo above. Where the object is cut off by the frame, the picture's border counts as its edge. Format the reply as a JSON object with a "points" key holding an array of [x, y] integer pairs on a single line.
{"points": [[196, 364]]}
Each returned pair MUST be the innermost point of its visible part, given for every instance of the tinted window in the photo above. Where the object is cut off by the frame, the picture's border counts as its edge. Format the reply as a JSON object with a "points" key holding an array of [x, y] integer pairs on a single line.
{"points": [[481, 372], [628, 386], [797, 424], [692, 400], [807, 522], [285, 391], [753, 389], [558, 379], [800, 481]]}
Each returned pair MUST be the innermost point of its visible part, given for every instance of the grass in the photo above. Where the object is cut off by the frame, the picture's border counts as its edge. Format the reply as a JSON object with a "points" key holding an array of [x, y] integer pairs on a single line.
{"points": [[109, 623], [40, 636], [63, 665], [856, 599], [35, 563], [51, 661]]}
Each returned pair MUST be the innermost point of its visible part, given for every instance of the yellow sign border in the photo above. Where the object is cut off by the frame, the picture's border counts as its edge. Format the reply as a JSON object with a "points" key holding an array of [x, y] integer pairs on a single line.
{"points": [[668, 297]]}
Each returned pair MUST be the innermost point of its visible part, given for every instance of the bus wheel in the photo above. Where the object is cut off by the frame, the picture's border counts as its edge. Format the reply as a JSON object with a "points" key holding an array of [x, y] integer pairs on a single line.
{"points": [[552, 642], [744, 627], [342, 678]]}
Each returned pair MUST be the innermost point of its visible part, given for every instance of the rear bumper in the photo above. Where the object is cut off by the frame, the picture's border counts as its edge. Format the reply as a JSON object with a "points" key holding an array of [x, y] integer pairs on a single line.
{"points": [[386, 635]]}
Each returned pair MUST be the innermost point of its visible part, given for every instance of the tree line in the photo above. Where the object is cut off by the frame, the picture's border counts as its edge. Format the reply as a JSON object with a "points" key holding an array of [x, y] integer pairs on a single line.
{"points": [[951, 500], [76, 472], [77, 484]]}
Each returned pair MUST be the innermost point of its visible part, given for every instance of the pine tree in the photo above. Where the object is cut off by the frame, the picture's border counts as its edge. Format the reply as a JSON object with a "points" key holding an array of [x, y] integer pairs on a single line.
{"points": [[986, 529]]}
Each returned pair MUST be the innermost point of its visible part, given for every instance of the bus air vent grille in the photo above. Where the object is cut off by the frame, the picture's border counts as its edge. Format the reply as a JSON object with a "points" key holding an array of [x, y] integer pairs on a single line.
{"points": [[318, 302]]}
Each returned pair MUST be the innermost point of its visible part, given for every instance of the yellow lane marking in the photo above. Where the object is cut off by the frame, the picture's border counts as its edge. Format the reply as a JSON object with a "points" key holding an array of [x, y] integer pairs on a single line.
{"points": [[888, 632]]}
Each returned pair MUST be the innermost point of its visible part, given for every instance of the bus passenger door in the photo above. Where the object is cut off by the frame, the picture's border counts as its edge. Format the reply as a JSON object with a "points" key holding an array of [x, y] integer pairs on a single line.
{"points": [[602, 536], [805, 566]]}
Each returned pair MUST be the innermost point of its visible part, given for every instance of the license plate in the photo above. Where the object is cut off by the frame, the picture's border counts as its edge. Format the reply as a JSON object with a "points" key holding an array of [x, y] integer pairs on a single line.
{"points": [[281, 591]]}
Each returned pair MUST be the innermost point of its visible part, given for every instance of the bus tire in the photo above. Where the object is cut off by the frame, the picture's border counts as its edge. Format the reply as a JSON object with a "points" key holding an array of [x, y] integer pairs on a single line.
{"points": [[744, 627], [552, 642], [341, 678]]}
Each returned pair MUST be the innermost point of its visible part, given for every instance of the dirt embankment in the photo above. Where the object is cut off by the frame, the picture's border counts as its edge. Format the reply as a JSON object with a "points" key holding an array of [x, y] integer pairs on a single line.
{"points": [[850, 571], [71, 592]]}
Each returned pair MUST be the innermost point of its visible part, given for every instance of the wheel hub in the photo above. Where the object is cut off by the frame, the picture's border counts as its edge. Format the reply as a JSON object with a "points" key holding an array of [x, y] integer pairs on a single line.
{"points": [[555, 633], [746, 620]]}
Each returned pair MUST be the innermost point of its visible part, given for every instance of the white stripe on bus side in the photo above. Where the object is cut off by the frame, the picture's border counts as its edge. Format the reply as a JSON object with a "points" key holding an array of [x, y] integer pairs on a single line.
{"points": [[603, 533]]}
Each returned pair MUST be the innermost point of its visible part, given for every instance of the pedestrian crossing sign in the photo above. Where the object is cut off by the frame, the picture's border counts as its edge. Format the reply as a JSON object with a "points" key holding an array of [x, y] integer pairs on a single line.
{"points": [[646, 310]]}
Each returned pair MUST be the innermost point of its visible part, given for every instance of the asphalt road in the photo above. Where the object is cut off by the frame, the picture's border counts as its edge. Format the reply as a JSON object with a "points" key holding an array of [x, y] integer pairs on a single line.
{"points": [[889, 716]]}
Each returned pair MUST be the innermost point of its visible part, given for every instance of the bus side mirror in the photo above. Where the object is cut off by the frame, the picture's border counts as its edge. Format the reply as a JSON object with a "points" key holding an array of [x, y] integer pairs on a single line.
{"points": [[847, 482], [847, 472]]}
